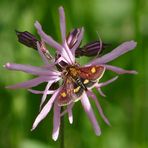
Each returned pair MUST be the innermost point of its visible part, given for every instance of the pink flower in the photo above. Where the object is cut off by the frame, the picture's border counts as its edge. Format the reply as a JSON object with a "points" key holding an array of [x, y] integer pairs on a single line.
{"points": [[51, 74]]}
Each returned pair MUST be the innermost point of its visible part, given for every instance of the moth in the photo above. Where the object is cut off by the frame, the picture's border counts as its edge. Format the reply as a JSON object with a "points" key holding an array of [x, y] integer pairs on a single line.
{"points": [[77, 80]]}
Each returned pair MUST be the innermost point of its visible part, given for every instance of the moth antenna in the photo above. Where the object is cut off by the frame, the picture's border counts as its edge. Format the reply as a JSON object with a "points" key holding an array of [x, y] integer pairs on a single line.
{"points": [[101, 44]]}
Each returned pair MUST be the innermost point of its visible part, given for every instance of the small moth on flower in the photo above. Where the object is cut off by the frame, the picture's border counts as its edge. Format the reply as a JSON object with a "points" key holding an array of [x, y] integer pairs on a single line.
{"points": [[76, 81]]}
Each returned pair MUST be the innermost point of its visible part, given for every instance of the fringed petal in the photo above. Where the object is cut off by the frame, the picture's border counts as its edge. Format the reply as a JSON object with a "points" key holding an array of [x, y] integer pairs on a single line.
{"points": [[45, 110], [70, 115], [119, 70], [68, 54], [120, 50], [93, 96], [101, 92], [79, 39], [46, 92], [98, 85], [31, 83], [48, 39], [56, 122], [32, 69], [49, 92], [62, 24], [88, 109]]}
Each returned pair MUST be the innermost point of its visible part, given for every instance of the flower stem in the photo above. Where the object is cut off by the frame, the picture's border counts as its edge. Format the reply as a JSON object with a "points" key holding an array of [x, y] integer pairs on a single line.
{"points": [[62, 131]]}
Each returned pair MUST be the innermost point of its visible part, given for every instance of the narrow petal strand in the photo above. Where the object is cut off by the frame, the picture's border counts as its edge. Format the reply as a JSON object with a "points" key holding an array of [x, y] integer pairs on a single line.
{"points": [[40, 92], [48, 39], [120, 50], [28, 84], [88, 109], [119, 70], [79, 39], [68, 54], [31, 69], [101, 92], [98, 85], [93, 96], [70, 116], [62, 24], [56, 122], [45, 110], [46, 93]]}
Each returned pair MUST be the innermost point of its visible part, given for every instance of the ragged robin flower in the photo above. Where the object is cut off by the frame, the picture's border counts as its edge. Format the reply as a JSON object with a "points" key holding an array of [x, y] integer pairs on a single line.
{"points": [[75, 81]]}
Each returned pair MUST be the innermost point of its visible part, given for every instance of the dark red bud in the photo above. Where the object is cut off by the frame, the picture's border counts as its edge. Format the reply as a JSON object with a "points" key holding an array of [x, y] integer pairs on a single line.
{"points": [[27, 39]]}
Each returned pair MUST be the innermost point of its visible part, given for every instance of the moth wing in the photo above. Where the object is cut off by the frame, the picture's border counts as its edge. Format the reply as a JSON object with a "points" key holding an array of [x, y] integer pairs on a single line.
{"points": [[63, 96], [70, 92], [91, 72]]}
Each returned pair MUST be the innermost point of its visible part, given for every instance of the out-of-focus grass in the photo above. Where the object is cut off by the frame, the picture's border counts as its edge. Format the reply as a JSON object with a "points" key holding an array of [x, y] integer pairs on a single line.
{"points": [[126, 105]]}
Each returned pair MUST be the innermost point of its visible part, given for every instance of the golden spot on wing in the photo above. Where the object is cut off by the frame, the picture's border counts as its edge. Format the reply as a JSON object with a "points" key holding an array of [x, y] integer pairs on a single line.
{"points": [[63, 94], [93, 69], [77, 89], [86, 81]]}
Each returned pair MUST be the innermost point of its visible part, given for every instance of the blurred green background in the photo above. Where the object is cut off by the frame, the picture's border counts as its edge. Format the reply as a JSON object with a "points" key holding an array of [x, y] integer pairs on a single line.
{"points": [[126, 104]]}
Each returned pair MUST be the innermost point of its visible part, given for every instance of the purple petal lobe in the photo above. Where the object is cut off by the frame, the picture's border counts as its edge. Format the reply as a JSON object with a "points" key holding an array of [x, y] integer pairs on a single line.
{"points": [[46, 92], [56, 122], [48, 39], [45, 110], [31, 69], [120, 50], [40, 92], [98, 85], [62, 24], [88, 109], [79, 39], [28, 84], [93, 96], [119, 70], [70, 116], [101, 92]]}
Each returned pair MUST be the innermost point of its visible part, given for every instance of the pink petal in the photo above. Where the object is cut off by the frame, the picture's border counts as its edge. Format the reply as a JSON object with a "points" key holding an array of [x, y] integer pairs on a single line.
{"points": [[40, 92], [56, 122], [120, 50], [93, 96], [101, 92], [79, 39], [64, 59], [70, 116], [88, 109], [48, 39], [98, 85], [31, 69], [67, 54], [45, 110], [62, 24], [28, 84], [119, 70], [46, 92]]}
